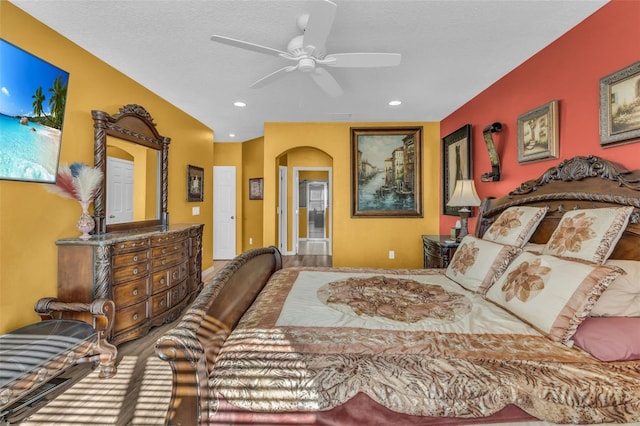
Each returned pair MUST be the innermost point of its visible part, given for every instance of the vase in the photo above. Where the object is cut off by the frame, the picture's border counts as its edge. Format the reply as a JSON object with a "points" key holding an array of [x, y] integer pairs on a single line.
{"points": [[85, 223]]}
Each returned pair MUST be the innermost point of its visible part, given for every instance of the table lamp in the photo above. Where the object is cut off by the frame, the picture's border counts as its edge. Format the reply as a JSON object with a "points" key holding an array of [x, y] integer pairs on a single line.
{"points": [[464, 196]]}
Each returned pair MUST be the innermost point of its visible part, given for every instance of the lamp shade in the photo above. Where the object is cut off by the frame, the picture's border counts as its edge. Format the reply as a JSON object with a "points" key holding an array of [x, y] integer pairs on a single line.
{"points": [[464, 194]]}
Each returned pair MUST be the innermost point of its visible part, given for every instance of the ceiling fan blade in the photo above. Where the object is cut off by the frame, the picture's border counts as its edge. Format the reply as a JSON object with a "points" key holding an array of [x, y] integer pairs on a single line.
{"points": [[318, 28], [272, 77], [326, 82], [362, 60], [248, 46]]}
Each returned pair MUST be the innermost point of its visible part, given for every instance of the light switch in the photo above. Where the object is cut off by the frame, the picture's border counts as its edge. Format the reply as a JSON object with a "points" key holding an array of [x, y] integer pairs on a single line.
{"points": [[195, 211]]}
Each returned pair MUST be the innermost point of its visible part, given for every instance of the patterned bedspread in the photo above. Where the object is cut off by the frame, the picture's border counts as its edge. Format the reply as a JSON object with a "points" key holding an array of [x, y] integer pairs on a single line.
{"points": [[415, 342]]}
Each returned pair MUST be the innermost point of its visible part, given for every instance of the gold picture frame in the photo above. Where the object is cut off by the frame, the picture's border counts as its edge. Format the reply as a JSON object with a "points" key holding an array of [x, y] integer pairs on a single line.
{"points": [[256, 189], [620, 106], [386, 172], [195, 183], [538, 134]]}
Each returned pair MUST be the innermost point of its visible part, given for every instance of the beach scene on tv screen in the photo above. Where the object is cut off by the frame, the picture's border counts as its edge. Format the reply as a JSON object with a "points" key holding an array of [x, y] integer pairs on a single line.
{"points": [[33, 95]]}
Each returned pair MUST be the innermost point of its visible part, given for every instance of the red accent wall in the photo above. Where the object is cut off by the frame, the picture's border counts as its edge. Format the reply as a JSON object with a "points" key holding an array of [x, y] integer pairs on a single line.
{"points": [[569, 70]]}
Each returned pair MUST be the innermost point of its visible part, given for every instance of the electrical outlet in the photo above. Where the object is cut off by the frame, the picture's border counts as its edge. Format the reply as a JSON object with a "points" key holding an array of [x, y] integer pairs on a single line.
{"points": [[250, 241], [195, 211], [392, 254]]}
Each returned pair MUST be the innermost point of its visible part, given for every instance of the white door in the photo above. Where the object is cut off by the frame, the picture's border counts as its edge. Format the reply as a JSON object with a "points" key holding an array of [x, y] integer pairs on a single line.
{"points": [[119, 191], [224, 212], [282, 209]]}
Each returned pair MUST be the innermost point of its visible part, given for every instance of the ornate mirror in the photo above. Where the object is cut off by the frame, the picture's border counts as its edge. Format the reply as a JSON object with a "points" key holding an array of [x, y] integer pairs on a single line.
{"points": [[130, 137]]}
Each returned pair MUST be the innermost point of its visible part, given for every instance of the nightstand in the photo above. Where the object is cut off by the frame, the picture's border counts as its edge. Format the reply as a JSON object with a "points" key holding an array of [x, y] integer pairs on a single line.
{"points": [[438, 250]]}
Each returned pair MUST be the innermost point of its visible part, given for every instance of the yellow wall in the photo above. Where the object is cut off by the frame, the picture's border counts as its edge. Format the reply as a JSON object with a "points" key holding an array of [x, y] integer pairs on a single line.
{"points": [[356, 241], [31, 218], [252, 227]]}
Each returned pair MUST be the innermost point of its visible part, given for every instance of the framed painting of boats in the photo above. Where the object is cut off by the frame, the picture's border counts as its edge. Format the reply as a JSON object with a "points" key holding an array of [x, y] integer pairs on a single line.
{"points": [[386, 172]]}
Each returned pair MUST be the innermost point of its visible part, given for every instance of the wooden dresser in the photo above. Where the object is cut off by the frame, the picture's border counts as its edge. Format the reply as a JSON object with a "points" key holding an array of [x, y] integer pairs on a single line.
{"points": [[438, 250], [151, 274]]}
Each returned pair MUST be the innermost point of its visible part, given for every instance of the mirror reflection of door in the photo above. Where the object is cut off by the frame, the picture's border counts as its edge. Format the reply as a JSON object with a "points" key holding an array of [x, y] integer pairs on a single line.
{"points": [[316, 210], [313, 214], [119, 191]]}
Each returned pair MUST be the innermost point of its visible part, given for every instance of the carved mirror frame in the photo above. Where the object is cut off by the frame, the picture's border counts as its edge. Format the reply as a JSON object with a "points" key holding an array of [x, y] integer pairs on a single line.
{"points": [[134, 124]]}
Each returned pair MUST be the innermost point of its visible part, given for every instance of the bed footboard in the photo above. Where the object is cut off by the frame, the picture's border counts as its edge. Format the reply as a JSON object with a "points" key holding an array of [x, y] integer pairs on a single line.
{"points": [[191, 347]]}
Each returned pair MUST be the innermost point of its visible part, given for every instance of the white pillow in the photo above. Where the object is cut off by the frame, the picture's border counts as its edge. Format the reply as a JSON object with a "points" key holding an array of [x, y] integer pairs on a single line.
{"points": [[622, 298], [589, 234], [477, 263], [552, 294], [515, 225]]}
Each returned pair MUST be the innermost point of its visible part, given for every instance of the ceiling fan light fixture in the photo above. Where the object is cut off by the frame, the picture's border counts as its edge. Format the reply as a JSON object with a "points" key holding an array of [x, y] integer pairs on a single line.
{"points": [[306, 64], [395, 102]]}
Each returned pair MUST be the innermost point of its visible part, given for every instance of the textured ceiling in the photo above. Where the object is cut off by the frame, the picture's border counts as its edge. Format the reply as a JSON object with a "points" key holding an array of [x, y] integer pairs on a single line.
{"points": [[451, 51]]}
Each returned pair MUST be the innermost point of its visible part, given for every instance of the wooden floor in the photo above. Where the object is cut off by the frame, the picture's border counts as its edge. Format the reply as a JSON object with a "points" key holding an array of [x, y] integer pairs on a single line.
{"points": [[139, 394]]}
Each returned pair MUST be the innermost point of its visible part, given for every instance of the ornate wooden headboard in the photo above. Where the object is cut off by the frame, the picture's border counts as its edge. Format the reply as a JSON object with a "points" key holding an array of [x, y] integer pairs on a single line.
{"points": [[577, 183]]}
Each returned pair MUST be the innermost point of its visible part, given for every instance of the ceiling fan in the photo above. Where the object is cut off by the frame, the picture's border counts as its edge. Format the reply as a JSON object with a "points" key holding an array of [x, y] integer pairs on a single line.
{"points": [[309, 53]]}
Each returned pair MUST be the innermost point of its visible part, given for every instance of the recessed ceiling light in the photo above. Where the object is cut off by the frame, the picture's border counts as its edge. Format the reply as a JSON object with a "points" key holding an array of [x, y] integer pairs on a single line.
{"points": [[395, 103], [232, 135], [239, 104]]}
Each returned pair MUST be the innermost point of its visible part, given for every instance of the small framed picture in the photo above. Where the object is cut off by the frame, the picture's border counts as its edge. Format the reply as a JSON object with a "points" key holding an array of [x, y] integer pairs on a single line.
{"points": [[620, 106], [256, 189], [538, 133], [195, 183]]}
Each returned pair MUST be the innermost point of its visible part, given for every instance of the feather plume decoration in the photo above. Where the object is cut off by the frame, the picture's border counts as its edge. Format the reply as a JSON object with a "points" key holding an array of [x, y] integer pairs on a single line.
{"points": [[78, 181]]}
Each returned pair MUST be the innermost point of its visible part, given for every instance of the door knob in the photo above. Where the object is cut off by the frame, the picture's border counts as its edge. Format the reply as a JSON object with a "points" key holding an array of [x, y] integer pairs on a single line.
{"points": [[232, 217]]}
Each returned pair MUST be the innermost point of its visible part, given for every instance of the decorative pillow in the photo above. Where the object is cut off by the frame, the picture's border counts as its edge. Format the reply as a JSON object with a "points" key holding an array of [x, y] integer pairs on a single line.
{"points": [[589, 234], [477, 263], [554, 295], [622, 298], [610, 339], [515, 225]]}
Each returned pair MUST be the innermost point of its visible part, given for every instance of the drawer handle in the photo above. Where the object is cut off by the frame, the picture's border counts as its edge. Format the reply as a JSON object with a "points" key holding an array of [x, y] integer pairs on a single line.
{"points": [[163, 302], [164, 261], [164, 250], [135, 258], [175, 275], [162, 280], [135, 317], [135, 292], [135, 271]]}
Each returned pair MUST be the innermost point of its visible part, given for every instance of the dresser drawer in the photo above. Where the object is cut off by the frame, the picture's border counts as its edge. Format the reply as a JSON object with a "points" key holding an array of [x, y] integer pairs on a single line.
{"points": [[432, 249], [128, 258], [178, 293], [130, 317], [126, 246], [159, 303], [162, 280], [167, 238], [168, 260], [130, 293], [130, 272]]}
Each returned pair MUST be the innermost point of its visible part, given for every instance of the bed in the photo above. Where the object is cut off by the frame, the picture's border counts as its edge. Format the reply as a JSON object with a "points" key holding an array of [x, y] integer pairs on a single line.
{"points": [[535, 319]]}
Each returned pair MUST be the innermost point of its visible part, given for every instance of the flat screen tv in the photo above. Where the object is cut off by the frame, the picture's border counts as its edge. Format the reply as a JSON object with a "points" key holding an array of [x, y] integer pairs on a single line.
{"points": [[33, 96]]}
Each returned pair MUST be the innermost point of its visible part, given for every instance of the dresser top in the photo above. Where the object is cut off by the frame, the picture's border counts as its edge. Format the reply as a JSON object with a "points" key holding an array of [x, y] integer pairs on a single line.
{"points": [[114, 237]]}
